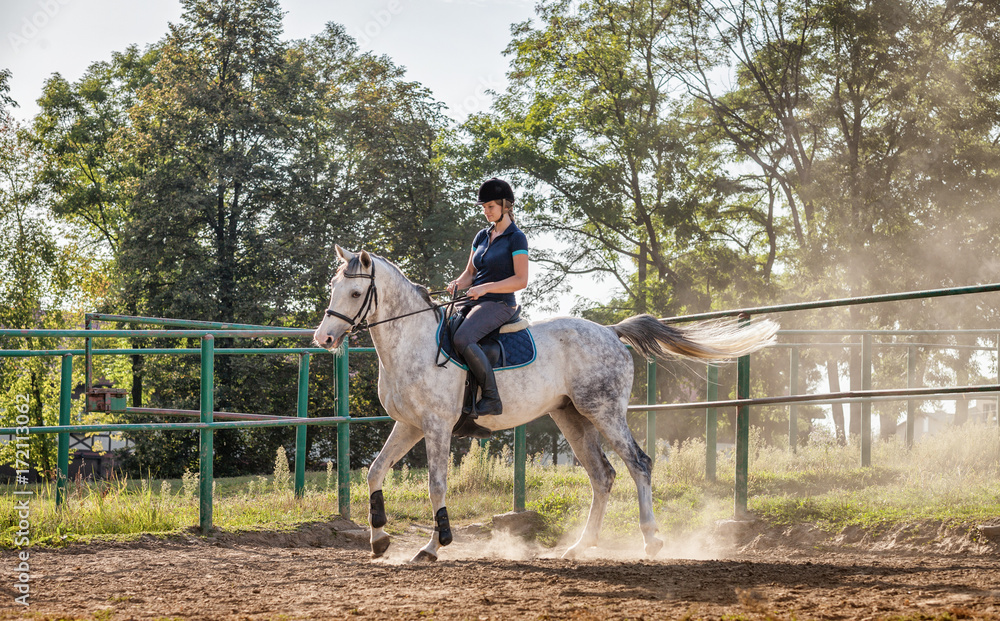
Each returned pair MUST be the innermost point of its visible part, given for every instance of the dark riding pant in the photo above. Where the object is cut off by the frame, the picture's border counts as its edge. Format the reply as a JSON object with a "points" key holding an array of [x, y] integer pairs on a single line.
{"points": [[481, 318]]}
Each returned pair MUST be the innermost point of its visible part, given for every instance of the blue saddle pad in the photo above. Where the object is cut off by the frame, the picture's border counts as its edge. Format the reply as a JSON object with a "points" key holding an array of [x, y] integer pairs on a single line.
{"points": [[518, 348]]}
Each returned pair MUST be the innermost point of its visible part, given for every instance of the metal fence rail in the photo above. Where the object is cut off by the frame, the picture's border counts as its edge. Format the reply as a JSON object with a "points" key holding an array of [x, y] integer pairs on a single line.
{"points": [[743, 402], [207, 332], [855, 301], [206, 426]]}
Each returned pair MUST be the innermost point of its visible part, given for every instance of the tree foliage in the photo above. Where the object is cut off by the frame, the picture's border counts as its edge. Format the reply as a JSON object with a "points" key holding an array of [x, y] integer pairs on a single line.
{"points": [[217, 169], [590, 123], [35, 278], [693, 154], [718, 154]]}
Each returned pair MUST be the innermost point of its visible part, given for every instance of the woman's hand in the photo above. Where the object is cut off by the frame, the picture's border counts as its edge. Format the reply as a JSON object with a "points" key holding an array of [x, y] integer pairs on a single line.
{"points": [[463, 281], [476, 292]]}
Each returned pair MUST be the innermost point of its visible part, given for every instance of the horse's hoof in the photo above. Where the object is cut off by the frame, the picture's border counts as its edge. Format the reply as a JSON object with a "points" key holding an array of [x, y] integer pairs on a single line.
{"points": [[577, 549], [424, 557], [653, 547], [379, 546]]}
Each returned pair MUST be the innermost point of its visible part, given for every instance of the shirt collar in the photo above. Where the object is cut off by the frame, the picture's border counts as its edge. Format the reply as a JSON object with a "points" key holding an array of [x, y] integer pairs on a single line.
{"points": [[510, 229]]}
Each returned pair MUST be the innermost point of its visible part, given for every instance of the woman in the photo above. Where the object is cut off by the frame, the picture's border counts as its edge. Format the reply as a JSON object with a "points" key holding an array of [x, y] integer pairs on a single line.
{"points": [[498, 266]]}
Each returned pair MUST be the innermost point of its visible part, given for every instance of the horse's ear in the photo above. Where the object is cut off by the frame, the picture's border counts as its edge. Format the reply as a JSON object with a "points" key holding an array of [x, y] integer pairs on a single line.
{"points": [[366, 259], [345, 255]]}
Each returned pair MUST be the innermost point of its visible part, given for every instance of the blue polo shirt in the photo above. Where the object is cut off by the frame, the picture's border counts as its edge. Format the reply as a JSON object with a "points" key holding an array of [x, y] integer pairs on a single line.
{"points": [[495, 261]]}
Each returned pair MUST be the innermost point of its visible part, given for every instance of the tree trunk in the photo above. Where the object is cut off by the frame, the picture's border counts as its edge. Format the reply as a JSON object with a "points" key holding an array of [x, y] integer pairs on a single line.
{"points": [[833, 373], [887, 426], [36, 391], [137, 381], [640, 303], [137, 364], [855, 424], [962, 375]]}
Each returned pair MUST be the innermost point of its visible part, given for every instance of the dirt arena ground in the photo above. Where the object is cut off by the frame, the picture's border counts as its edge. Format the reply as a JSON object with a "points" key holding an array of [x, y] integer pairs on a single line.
{"points": [[324, 571]]}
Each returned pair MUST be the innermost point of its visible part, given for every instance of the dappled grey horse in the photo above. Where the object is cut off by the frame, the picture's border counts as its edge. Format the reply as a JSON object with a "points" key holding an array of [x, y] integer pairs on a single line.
{"points": [[582, 378]]}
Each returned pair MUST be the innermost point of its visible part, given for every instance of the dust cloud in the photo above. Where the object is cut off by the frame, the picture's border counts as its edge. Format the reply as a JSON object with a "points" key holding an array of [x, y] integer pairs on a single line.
{"points": [[477, 543]]}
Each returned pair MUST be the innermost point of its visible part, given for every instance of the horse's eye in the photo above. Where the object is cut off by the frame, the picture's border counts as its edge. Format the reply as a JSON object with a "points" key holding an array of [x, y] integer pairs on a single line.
{"points": [[356, 294]]}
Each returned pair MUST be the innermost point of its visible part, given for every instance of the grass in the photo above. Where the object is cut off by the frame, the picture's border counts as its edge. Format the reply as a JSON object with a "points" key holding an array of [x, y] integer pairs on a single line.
{"points": [[950, 478]]}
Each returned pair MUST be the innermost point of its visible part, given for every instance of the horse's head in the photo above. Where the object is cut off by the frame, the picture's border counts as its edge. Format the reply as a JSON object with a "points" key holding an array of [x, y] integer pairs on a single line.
{"points": [[352, 295]]}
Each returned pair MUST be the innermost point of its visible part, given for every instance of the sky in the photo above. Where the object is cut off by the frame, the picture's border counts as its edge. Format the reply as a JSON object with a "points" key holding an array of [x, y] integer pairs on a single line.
{"points": [[453, 47]]}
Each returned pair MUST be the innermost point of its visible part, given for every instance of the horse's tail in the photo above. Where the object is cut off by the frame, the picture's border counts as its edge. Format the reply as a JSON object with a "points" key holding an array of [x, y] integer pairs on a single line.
{"points": [[710, 340]]}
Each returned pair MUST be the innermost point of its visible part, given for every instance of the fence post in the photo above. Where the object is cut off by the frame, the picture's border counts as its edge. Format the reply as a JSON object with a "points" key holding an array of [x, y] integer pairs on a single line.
{"points": [[343, 435], [302, 410], [793, 408], [742, 433], [65, 401], [520, 459], [866, 405], [711, 423], [651, 415], [206, 446], [911, 382]]}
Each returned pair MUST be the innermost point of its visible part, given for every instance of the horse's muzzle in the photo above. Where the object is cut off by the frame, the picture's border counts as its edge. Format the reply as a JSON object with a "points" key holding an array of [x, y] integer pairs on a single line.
{"points": [[327, 341]]}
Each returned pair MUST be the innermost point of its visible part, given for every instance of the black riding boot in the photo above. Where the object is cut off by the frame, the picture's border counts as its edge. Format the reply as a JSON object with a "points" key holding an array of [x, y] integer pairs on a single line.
{"points": [[480, 366]]}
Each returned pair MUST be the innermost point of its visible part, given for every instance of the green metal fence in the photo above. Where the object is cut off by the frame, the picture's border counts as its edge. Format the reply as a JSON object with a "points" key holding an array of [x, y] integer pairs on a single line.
{"points": [[207, 332], [865, 396]]}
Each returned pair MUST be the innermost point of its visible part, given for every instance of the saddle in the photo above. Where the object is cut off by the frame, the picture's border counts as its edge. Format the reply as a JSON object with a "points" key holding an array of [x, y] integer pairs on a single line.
{"points": [[508, 347]]}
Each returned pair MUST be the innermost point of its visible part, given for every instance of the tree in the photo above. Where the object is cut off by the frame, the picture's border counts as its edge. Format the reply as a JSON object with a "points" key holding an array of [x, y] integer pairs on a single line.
{"points": [[219, 167], [622, 171], [82, 133], [372, 168], [591, 123], [873, 120], [35, 275]]}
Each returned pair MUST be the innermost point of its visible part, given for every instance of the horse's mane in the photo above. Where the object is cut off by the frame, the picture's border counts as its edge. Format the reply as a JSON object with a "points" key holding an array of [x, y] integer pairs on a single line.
{"points": [[354, 267]]}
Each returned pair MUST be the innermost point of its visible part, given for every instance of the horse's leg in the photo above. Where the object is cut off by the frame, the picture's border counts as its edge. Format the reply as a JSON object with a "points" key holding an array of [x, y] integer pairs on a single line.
{"points": [[585, 441], [400, 440], [609, 418], [437, 440]]}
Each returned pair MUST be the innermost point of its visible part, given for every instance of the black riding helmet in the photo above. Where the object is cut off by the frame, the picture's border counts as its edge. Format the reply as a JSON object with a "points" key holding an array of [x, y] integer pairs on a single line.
{"points": [[493, 190]]}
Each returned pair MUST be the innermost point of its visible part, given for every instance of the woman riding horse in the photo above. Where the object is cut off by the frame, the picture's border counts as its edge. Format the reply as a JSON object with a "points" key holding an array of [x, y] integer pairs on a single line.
{"points": [[498, 267], [581, 378]]}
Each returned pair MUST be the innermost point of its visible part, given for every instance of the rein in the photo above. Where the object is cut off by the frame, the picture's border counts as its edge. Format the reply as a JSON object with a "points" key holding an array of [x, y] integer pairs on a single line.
{"points": [[371, 299]]}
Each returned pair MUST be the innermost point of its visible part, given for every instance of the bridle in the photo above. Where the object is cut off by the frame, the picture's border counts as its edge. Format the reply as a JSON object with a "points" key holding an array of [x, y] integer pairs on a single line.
{"points": [[371, 299], [360, 319]]}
